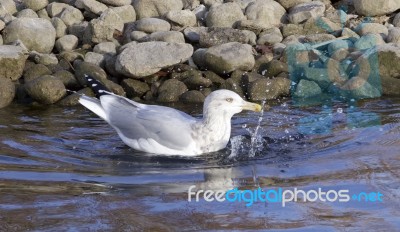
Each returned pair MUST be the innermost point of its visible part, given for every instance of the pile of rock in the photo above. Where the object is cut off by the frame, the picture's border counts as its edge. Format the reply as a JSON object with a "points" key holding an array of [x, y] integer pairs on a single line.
{"points": [[175, 50]]}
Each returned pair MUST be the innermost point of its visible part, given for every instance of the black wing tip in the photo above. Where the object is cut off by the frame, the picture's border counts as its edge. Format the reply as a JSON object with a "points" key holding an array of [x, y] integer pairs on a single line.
{"points": [[98, 88]]}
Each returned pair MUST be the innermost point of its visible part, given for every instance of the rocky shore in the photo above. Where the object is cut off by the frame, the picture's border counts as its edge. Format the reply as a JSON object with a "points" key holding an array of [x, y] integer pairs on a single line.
{"points": [[181, 50]]}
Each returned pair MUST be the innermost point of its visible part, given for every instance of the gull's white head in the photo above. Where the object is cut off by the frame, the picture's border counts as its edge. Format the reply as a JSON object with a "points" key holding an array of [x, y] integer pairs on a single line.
{"points": [[228, 102]]}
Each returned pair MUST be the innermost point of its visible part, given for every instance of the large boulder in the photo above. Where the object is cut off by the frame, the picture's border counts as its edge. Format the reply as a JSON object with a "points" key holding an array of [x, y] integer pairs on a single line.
{"points": [[35, 33], [7, 92], [376, 7], [12, 62], [155, 8], [228, 57], [224, 15], [46, 89], [144, 59]]}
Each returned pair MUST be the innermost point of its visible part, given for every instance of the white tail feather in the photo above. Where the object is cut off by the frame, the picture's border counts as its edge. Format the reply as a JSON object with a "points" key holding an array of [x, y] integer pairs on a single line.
{"points": [[93, 104]]}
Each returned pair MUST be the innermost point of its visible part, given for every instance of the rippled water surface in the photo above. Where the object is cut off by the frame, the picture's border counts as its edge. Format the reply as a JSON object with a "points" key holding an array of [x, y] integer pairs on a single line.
{"points": [[64, 169]]}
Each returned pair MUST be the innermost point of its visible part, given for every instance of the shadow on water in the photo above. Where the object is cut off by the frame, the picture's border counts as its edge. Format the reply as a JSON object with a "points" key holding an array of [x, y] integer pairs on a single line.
{"points": [[66, 168]]}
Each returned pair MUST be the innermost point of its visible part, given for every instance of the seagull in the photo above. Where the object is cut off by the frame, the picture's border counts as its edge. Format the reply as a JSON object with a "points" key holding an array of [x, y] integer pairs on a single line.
{"points": [[164, 130]]}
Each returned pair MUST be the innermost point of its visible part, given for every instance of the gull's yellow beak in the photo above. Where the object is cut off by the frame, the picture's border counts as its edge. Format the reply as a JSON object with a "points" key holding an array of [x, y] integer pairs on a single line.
{"points": [[251, 106]]}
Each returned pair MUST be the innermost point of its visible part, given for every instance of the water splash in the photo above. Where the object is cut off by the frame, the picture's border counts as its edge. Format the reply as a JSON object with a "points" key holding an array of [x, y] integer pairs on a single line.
{"points": [[256, 143]]}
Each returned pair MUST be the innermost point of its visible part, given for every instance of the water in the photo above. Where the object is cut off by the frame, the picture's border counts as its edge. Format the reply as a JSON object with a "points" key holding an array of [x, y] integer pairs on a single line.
{"points": [[64, 169]]}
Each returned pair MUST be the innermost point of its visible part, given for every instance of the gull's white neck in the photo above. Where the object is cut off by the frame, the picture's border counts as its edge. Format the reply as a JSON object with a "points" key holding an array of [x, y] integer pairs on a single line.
{"points": [[215, 130]]}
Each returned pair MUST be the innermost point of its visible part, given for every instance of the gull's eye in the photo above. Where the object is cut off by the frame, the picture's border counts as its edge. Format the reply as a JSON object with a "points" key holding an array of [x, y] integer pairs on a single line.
{"points": [[229, 99]]}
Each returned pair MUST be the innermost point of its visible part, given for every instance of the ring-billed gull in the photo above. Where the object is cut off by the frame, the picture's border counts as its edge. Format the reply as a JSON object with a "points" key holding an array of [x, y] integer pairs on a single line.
{"points": [[164, 130]]}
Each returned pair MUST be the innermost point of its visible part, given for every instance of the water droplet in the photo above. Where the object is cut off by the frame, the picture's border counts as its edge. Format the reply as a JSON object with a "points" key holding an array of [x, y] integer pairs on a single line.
{"points": [[339, 110], [286, 131]]}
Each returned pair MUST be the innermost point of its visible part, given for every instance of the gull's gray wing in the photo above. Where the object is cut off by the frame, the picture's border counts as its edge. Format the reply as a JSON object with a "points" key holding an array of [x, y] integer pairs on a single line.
{"points": [[167, 126]]}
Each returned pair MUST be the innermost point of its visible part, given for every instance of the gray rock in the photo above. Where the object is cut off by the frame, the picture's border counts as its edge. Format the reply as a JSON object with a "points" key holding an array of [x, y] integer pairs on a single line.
{"points": [[96, 58], [339, 44], [126, 13], [46, 59], [192, 96], [97, 32], [216, 80], [155, 8], [93, 6], [36, 5], [307, 89], [200, 12], [194, 80], [7, 92], [347, 32], [12, 62], [165, 36], [318, 38], [228, 57], [27, 13], [368, 41], [43, 14], [2, 25], [36, 34], [287, 4], [199, 57], [376, 7], [388, 60], [73, 99], [134, 88], [394, 35], [270, 36], [212, 2], [68, 79], [105, 48], [372, 28], [9, 6], [266, 89], [292, 29], [150, 25], [273, 68], [79, 29], [55, 9], [396, 20], [267, 13], [90, 69], [36, 71], [224, 15], [170, 90], [111, 19], [138, 36], [59, 25], [193, 33], [217, 36], [190, 4], [304, 11], [46, 89], [144, 59], [71, 16], [359, 88], [181, 18], [67, 43], [116, 2], [313, 26]]}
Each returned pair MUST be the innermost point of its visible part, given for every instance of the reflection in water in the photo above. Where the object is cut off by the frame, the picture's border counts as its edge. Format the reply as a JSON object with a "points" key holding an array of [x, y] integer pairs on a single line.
{"points": [[65, 168]]}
